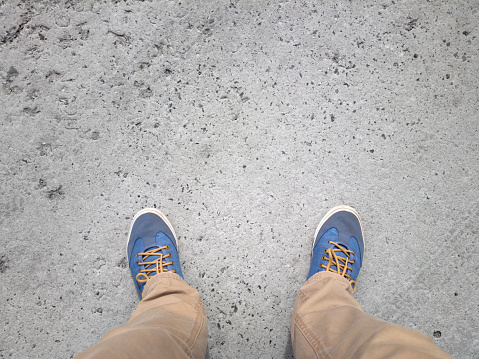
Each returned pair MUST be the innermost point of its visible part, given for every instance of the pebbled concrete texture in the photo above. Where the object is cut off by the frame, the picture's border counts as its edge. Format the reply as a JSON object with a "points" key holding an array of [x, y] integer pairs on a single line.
{"points": [[244, 122]]}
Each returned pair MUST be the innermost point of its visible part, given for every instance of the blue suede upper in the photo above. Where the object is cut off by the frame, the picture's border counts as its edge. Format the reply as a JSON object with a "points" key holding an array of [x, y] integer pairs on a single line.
{"points": [[149, 231], [344, 229]]}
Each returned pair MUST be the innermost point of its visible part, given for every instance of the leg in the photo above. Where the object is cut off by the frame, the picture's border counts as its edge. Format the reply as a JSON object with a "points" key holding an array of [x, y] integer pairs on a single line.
{"points": [[170, 321], [327, 321]]}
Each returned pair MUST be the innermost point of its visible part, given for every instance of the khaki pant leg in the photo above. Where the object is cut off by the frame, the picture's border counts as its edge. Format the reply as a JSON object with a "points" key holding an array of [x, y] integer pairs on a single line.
{"points": [[328, 322], [170, 322]]}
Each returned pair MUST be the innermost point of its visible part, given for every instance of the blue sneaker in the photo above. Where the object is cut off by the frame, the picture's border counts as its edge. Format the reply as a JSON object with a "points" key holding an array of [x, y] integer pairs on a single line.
{"points": [[338, 244], [152, 247]]}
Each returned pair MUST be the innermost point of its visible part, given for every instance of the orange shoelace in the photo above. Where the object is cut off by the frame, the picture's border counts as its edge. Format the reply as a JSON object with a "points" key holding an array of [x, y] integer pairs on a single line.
{"points": [[341, 263], [153, 267]]}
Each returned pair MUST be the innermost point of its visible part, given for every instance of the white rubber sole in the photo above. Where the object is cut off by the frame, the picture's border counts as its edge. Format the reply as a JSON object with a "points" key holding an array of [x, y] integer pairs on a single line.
{"points": [[159, 214], [334, 210]]}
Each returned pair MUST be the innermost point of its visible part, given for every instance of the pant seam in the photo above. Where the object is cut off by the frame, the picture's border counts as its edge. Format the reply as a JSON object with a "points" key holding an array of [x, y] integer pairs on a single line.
{"points": [[195, 331], [311, 338], [301, 295]]}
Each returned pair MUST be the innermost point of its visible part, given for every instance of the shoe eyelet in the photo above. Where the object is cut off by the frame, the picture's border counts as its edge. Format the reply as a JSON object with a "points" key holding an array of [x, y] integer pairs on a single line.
{"points": [[167, 247], [323, 258], [325, 251], [328, 242]]}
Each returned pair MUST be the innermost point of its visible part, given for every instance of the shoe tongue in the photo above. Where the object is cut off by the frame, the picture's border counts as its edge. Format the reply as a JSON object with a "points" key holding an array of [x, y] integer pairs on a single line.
{"points": [[152, 256], [343, 245], [341, 253]]}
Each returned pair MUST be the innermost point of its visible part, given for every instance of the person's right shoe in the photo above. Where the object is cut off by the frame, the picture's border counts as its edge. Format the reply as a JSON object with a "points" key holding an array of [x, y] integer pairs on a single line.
{"points": [[338, 245], [152, 247]]}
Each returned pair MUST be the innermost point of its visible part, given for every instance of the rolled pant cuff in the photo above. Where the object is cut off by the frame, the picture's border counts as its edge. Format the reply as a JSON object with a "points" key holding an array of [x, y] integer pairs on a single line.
{"points": [[158, 278]]}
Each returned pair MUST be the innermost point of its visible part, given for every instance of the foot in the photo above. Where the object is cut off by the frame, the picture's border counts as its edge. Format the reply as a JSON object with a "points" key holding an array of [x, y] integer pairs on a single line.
{"points": [[338, 244], [152, 247]]}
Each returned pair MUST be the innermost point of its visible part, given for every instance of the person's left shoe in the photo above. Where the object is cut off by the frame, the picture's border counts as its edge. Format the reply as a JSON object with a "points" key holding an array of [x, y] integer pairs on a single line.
{"points": [[151, 248], [339, 244]]}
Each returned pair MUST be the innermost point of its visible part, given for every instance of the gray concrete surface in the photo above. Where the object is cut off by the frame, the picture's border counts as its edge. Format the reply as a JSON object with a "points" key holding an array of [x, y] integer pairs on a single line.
{"points": [[244, 122]]}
